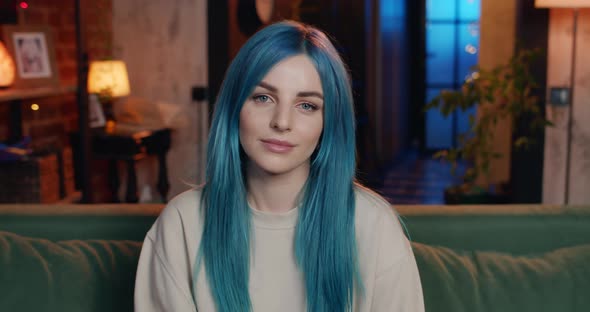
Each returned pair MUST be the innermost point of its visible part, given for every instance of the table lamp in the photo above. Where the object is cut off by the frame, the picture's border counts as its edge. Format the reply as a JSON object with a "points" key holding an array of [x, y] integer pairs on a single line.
{"points": [[7, 68], [575, 5], [108, 79]]}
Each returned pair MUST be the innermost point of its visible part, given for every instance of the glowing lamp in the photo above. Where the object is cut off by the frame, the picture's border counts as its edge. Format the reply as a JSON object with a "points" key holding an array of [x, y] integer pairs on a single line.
{"points": [[7, 68], [562, 4], [108, 77], [109, 80]]}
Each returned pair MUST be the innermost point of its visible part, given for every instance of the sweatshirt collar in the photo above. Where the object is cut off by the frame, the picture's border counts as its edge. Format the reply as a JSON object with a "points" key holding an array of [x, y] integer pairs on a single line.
{"points": [[274, 220]]}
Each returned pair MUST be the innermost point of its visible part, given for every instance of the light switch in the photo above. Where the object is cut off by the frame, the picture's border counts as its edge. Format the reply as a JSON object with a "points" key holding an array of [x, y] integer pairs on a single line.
{"points": [[560, 96]]}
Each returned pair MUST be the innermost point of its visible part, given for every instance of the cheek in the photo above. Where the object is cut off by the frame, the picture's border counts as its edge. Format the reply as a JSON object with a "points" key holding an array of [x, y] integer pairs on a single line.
{"points": [[245, 125], [314, 131], [248, 129]]}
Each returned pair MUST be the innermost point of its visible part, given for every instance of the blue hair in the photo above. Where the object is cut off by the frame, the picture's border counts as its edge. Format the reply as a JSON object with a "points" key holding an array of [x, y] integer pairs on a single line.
{"points": [[325, 243]]}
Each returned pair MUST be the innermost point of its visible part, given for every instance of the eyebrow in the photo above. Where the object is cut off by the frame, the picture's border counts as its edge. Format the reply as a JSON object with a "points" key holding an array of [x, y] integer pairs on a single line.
{"points": [[300, 94]]}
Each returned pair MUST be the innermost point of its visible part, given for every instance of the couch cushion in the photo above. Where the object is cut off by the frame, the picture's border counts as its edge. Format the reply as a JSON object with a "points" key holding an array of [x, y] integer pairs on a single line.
{"points": [[488, 281], [98, 275], [41, 275]]}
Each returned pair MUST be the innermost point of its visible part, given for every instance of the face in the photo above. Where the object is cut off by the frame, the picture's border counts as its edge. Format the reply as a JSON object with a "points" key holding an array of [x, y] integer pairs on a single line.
{"points": [[282, 120]]}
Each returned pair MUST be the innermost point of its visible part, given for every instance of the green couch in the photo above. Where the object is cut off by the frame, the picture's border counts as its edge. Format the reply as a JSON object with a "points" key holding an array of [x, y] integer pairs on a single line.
{"points": [[502, 258], [471, 258]]}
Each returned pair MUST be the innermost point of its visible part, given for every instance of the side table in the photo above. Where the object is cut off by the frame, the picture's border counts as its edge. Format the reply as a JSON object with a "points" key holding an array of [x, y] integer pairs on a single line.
{"points": [[131, 146]]}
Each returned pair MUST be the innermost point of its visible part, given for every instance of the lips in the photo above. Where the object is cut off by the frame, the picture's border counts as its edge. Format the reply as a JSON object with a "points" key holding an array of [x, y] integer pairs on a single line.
{"points": [[277, 146]]}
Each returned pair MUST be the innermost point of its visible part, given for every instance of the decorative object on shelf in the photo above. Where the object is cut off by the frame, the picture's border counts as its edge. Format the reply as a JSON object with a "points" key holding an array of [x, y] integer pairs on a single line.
{"points": [[504, 92], [7, 68], [95, 112], [575, 5], [108, 79], [32, 49]]}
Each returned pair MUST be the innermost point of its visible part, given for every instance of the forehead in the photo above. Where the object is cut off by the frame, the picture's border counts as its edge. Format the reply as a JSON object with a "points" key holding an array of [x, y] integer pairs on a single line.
{"points": [[297, 73]]}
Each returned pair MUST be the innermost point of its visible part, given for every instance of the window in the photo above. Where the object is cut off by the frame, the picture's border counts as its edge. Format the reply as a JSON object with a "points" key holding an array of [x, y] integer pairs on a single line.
{"points": [[452, 48]]}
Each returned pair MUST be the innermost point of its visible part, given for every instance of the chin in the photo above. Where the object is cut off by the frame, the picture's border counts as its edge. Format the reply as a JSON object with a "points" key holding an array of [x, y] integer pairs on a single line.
{"points": [[276, 170], [279, 167]]}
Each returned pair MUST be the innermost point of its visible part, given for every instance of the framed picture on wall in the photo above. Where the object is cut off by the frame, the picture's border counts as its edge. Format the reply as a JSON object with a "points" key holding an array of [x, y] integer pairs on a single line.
{"points": [[33, 51]]}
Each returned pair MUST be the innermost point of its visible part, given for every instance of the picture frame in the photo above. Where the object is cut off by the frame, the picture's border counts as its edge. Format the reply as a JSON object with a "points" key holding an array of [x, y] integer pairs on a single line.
{"points": [[33, 51], [96, 117]]}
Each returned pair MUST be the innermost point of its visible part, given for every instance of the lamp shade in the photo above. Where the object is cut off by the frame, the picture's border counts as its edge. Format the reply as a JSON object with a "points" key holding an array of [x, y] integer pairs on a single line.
{"points": [[7, 68], [109, 76], [562, 3]]}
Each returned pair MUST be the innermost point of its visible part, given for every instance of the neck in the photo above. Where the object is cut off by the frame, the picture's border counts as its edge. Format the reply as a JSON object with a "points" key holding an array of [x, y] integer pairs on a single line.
{"points": [[275, 193]]}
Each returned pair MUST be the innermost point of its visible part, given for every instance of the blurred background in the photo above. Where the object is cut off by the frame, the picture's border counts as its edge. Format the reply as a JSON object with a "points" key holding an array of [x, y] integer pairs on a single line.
{"points": [[146, 73]]}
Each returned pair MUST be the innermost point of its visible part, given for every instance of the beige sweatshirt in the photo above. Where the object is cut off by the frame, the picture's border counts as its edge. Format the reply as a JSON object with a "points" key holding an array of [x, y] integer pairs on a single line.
{"points": [[164, 274]]}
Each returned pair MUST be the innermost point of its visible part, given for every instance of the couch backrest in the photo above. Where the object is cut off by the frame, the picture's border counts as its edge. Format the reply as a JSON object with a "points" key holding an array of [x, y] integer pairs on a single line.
{"points": [[74, 221], [515, 229]]}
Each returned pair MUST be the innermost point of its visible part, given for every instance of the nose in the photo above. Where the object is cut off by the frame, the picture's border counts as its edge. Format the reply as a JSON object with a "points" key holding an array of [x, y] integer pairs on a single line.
{"points": [[281, 119]]}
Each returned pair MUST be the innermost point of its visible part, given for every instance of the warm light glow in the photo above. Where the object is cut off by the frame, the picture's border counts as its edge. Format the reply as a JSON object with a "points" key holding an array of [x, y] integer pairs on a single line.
{"points": [[108, 76], [35, 107], [24, 5], [562, 3], [7, 67], [110, 126], [469, 78], [470, 49]]}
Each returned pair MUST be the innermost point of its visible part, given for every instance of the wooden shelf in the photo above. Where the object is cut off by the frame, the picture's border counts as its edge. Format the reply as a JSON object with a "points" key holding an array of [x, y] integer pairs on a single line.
{"points": [[14, 98], [7, 95]]}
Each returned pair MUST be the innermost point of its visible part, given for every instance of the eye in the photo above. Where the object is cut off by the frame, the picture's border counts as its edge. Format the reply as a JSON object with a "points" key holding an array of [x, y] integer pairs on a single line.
{"points": [[261, 98], [308, 107]]}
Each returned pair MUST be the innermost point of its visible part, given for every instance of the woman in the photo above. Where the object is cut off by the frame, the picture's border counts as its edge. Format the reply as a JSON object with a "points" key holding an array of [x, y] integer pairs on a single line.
{"points": [[280, 224]]}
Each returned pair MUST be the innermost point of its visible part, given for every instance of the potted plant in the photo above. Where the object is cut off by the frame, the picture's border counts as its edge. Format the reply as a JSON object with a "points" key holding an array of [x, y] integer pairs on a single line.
{"points": [[503, 93]]}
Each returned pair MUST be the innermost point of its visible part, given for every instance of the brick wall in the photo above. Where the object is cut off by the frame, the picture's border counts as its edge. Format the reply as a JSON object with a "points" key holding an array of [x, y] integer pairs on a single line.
{"points": [[57, 116], [96, 20], [49, 127]]}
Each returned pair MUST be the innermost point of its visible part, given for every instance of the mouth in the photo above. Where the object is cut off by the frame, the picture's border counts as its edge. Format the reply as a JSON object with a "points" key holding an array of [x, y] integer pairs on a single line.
{"points": [[277, 146], [278, 142]]}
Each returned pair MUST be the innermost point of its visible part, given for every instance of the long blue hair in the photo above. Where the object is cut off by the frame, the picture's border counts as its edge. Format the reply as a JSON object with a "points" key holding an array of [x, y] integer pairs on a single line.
{"points": [[325, 243]]}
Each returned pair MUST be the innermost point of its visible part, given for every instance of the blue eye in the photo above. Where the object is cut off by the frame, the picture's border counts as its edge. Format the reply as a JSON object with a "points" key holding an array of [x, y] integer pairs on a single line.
{"points": [[308, 107], [261, 98]]}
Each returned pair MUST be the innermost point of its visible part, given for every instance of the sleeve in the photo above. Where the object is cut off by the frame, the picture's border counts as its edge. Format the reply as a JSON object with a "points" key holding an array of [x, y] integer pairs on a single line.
{"points": [[397, 284], [159, 285], [398, 289]]}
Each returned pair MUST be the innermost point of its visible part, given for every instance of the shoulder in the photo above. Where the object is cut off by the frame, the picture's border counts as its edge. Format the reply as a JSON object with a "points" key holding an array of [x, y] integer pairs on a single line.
{"points": [[369, 199], [165, 267], [372, 207], [187, 200], [378, 224], [182, 213]]}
